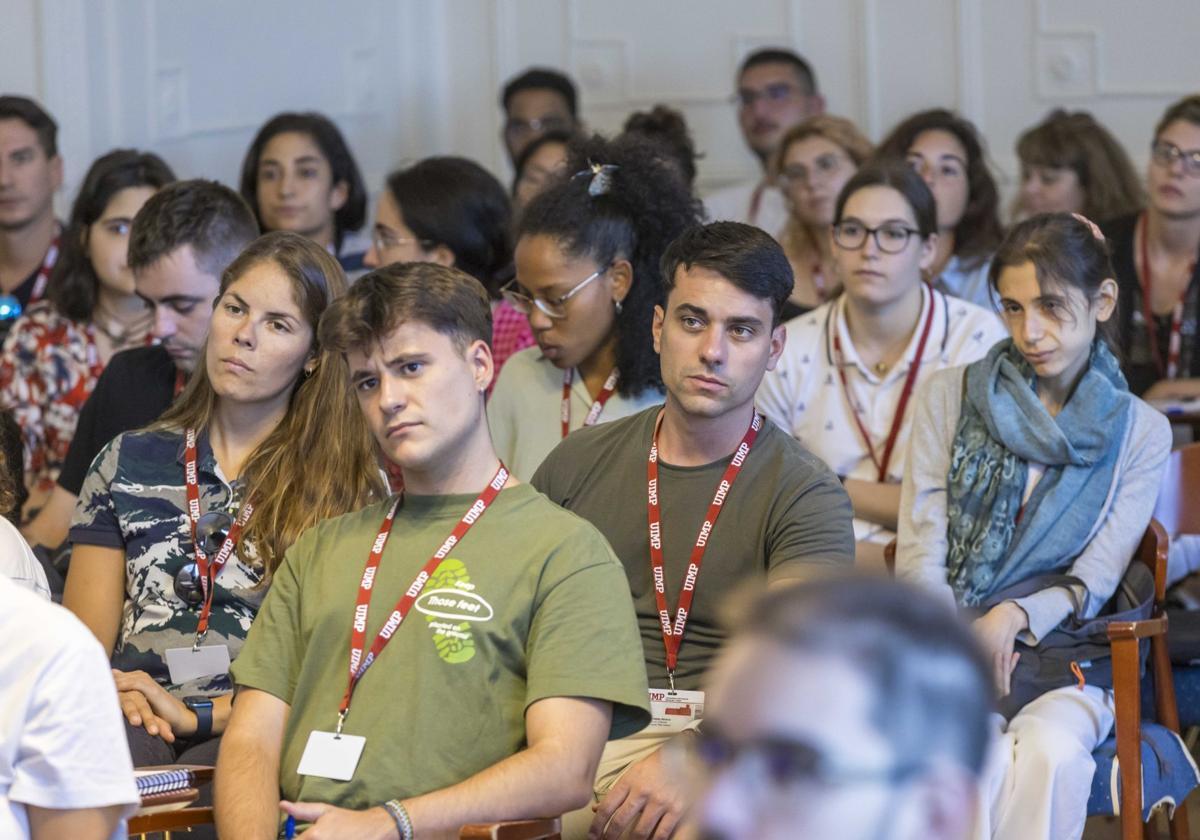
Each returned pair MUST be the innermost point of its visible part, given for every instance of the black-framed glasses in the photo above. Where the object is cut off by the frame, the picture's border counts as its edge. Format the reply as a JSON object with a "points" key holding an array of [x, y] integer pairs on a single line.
{"points": [[1166, 154], [211, 530], [892, 238], [783, 763], [524, 128], [557, 308]]}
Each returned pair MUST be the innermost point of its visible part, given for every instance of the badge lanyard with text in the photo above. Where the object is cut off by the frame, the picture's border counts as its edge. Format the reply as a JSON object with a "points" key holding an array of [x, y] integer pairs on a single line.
{"points": [[358, 629], [672, 633], [910, 382], [610, 385], [1174, 342], [207, 569], [43, 275]]}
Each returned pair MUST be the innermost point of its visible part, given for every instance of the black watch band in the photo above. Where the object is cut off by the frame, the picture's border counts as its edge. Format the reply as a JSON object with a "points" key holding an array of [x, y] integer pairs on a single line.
{"points": [[202, 707]]}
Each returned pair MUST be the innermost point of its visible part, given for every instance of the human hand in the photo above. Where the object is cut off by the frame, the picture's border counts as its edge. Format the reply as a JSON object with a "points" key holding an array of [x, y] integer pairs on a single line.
{"points": [[329, 823], [646, 800], [146, 703], [997, 631]]}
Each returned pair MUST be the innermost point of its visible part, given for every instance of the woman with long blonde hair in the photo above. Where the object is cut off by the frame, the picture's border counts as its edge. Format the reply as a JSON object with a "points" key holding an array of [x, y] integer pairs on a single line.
{"points": [[180, 526]]}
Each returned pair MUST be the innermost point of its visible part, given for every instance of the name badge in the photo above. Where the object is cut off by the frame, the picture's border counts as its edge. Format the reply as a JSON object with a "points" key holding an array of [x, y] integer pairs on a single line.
{"points": [[185, 664], [331, 756], [672, 711]]}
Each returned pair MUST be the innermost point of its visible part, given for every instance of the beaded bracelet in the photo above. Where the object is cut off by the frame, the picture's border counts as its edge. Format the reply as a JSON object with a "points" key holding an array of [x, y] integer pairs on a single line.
{"points": [[399, 815]]}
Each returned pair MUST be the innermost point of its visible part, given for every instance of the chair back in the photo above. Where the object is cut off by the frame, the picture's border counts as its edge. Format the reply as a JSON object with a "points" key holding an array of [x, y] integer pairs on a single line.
{"points": [[1178, 507]]}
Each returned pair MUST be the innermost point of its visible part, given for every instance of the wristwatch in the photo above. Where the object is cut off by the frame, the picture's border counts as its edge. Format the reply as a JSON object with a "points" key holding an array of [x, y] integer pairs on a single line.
{"points": [[202, 707]]}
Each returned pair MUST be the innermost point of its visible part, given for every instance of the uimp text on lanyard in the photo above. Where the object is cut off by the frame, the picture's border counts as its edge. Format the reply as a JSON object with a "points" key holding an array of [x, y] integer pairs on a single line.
{"points": [[910, 381], [43, 275], [205, 568], [1175, 341], [358, 628], [610, 385], [672, 632]]}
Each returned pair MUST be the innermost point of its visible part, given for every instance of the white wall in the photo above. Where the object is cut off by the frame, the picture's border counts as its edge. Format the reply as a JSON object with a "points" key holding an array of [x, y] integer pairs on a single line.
{"points": [[407, 78]]}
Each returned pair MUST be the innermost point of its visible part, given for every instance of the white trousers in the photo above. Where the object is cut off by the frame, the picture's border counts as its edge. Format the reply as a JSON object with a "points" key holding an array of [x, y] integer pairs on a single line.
{"points": [[1039, 770]]}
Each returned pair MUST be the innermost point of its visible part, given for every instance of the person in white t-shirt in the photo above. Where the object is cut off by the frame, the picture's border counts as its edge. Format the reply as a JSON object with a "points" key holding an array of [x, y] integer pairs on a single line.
{"points": [[776, 90], [65, 769], [844, 382], [17, 561], [588, 277]]}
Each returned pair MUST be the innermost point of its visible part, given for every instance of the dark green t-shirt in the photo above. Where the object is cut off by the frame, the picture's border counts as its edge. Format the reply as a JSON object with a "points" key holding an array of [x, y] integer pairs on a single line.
{"points": [[786, 514], [530, 604]]}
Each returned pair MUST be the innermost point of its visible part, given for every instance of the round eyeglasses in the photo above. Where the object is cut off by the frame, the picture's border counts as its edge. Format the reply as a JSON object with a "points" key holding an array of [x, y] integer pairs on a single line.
{"points": [[1165, 154], [557, 308], [211, 530], [890, 238]]}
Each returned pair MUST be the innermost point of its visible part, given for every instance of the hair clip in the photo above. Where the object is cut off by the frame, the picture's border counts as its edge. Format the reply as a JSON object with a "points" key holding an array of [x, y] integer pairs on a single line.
{"points": [[601, 177], [1092, 226]]}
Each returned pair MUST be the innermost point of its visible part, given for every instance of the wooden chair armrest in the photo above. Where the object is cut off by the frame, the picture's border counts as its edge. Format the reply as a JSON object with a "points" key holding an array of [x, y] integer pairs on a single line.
{"points": [[512, 830], [1143, 629], [170, 820]]}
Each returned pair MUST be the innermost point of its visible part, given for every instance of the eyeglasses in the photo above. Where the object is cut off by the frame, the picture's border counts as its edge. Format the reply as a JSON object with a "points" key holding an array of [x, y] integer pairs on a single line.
{"points": [[385, 239], [774, 94], [891, 239], [557, 308], [781, 764], [211, 530], [824, 166], [1166, 154], [523, 128]]}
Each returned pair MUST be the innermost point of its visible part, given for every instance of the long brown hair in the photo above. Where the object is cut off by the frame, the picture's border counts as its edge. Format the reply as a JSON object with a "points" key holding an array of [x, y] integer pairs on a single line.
{"points": [[319, 462]]}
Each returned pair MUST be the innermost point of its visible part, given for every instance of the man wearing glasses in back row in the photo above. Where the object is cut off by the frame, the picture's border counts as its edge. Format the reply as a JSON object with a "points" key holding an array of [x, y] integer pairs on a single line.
{"points": [[535, 102], [776, 90]]}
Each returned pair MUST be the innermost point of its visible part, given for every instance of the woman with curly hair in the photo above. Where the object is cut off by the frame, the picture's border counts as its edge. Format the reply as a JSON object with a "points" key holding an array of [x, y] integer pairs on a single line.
{"points": [[588, 277], [947, 151], [17, 561]]}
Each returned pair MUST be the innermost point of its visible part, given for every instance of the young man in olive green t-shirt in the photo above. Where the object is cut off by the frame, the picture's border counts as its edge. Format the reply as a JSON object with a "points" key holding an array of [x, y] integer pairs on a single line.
{"points": [[511, 654], [752, 502]]}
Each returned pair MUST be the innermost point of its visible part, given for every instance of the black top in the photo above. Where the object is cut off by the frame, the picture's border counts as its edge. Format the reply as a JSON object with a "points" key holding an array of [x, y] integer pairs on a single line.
{"points": [[1137, 358], [135, 389]]}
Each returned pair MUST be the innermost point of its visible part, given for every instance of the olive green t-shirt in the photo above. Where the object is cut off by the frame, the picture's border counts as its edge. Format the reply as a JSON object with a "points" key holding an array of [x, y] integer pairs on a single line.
{"points": [[786, 516], [530, 604]]}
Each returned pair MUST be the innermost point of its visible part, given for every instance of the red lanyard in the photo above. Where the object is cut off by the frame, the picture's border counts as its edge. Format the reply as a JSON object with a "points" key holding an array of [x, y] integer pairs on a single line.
{"points": [[673, 633], [43, 275], [207, 570], [1175, 340], [358, 628], [909, 383], [610, 385]]}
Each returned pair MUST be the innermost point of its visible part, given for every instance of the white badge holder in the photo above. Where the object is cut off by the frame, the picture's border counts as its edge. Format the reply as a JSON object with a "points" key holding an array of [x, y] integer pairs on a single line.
{"points": [[674, 711]]}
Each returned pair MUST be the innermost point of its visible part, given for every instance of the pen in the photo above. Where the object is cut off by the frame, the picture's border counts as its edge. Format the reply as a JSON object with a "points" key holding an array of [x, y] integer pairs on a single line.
{"points": [[289, 827]]}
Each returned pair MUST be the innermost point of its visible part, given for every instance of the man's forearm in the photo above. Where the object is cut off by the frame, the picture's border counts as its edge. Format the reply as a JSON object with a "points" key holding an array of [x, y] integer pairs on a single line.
{"points": [[875, 502], [246, 787]]}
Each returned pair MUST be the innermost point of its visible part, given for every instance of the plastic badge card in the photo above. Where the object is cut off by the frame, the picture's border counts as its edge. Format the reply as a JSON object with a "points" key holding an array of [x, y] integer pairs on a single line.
{"points": [[185, 664], [331, 756], [672, 711]]}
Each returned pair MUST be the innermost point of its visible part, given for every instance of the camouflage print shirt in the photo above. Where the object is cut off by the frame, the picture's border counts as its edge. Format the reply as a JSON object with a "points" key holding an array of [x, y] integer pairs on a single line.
{"points": [[134, 498]]}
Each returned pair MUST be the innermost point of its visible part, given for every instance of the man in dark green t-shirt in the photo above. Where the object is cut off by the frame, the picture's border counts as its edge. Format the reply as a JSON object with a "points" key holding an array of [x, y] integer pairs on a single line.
{"points": [[511, 654], [782, 513]]}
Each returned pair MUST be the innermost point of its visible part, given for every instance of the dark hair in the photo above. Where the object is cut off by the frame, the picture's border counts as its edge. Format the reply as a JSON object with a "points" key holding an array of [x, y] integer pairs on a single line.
{"points": [[455, 202], [643, 207], [901, 177], [352, 214], [931, 685], [781, 55], [206, 215], [532, 147], [746, 256], [444, 299], [541, 78], [669, 128], [979, 231], [33, 115], [13, 493], [1187, 109], [73, 282], [1075, 141], [1065, 252]]}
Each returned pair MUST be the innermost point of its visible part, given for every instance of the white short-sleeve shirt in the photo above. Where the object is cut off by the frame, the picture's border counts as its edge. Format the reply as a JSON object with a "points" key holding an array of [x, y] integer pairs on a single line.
{"points": [[525, 411], [18, 562], [62, 736], [806, 396], [736, 203]]}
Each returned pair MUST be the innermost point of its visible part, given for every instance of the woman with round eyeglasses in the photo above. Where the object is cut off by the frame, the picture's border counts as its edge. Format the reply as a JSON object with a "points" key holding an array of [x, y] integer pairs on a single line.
{"points": [[588, 278], [452, 211], [814, 161], [845, 381], [947, 151], [180, 527]]}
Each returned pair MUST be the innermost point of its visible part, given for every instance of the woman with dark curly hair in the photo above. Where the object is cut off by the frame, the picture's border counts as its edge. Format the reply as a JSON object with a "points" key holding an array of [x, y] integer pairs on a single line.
{"points": [[588, 276], [948, 153], [17, 560]]}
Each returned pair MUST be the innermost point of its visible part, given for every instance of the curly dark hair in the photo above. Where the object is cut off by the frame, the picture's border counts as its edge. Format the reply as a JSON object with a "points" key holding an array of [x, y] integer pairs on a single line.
{"points": [[669, 128], [979, 231], [13, 494], [644, 208]]}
